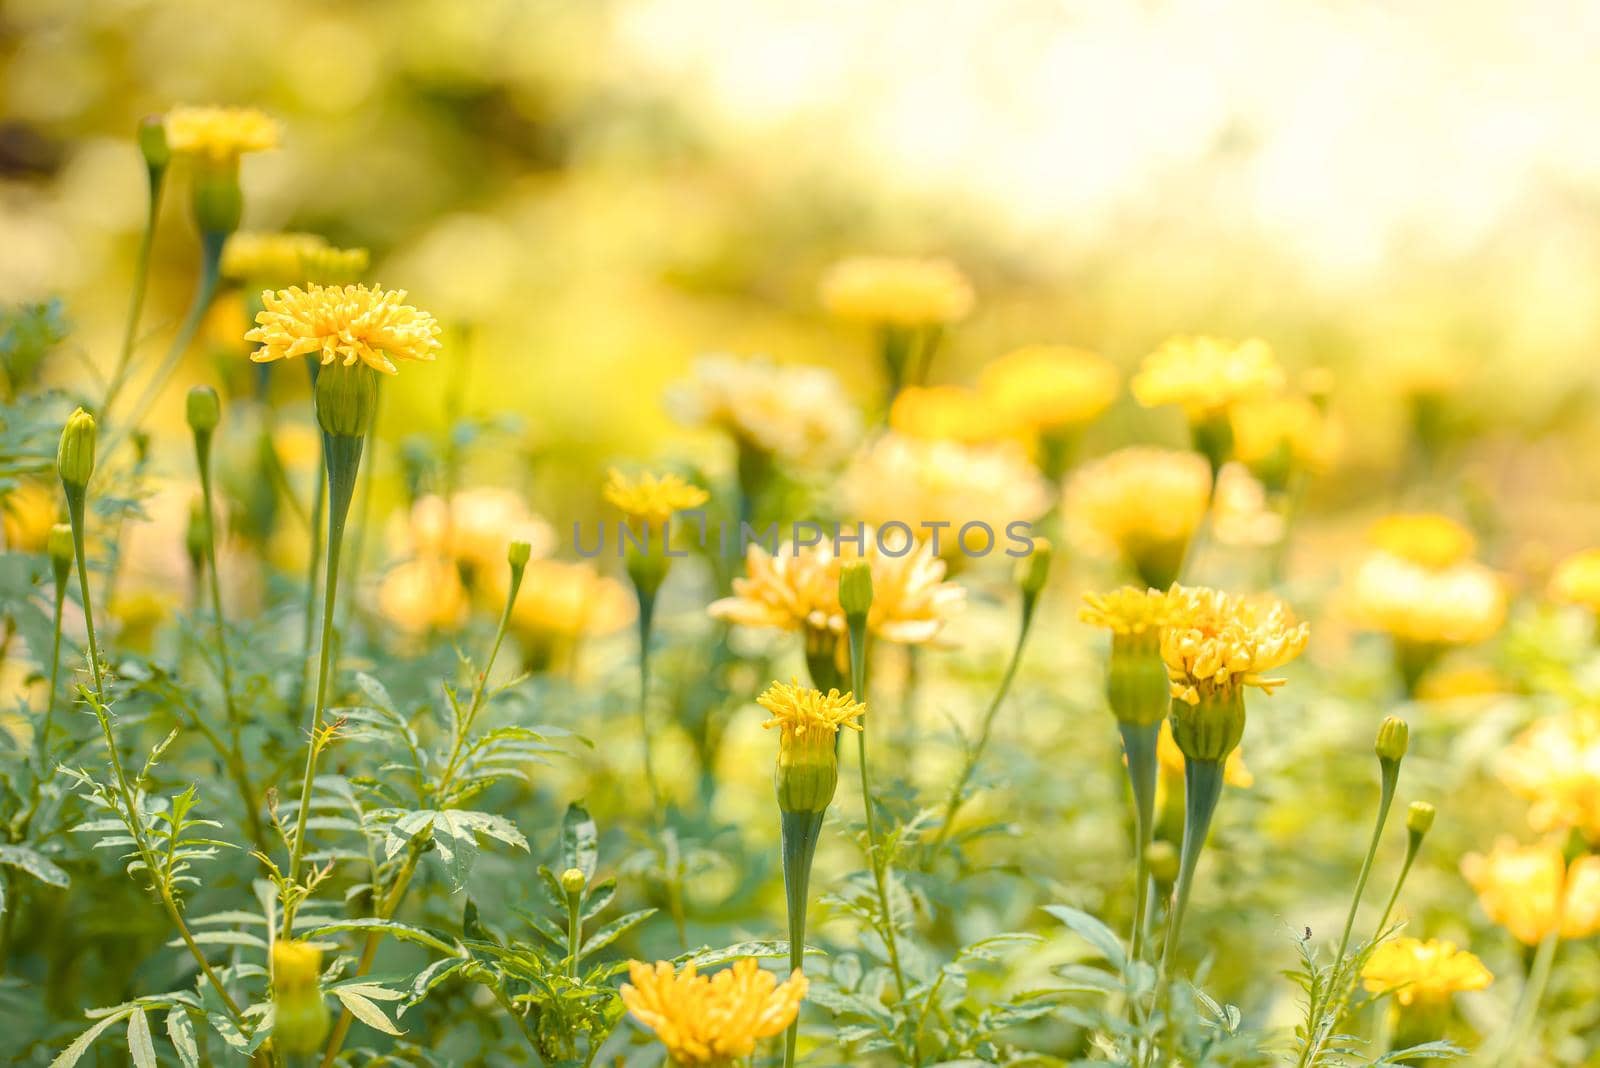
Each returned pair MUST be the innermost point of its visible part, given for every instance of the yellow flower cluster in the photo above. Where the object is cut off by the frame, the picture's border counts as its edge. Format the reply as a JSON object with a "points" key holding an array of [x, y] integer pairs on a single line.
{"points": [[1127, 610], [1456, 605], [903, 292], [1206, 375], [711, 1021], [1555, 764], [797, 588], [219, 134], [1045, 387], [562, 601], [800, 712], [949, 413], [1577, 580], [1427, 972], [1531, 891], [909, 480], [1141, 504], [1423, 538], [798, 414], [346, 323], [652, 498], [275, 260], [1277, 433], [1216, 643]]}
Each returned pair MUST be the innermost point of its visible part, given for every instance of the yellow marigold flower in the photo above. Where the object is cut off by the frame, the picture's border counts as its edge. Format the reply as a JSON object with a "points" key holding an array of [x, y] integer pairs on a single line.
{"points": [[1529, 889], [798, 414], [27, 513], [1137, 689], [711, 1020], [896, 291], [219, 134], [809, 721], [299, 1012], [1462, 681], [1577, 580], [1555, 764], [949, 413], [1423, 971], [330, 265], [1234, 771], [347, 323], [423, 595], [295, 965], [276, 259], [1044, 387], [474, 527], [1457, 605], [797, 588], [567, 601], [1141, 504], [899, 479], [1278, 434], [652, 498], [1423, 538], [1127, 611], [1215, 643], [1241, 515], [1206, 375]]}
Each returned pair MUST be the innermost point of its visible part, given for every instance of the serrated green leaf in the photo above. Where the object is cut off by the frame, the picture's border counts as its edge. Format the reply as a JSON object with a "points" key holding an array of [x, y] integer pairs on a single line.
{"points": [[141, 1047], [580, 841]]}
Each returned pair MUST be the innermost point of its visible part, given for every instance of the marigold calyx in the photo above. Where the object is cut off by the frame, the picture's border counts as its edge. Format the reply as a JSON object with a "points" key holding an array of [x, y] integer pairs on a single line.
{"points": [[345, 397], [1212, 727], [518, 553], [855, 588]]}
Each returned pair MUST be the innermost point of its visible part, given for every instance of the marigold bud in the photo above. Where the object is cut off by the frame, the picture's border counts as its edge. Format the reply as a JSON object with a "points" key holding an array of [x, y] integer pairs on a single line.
{"points": [[204, 409], [61, 549], [75, 456], [217, 200], [1393, 737], [1034, 569], [573, 880], [1419, 817], [299, 1012], [153, 142], [345, 397], [855, 588], [518, 553]]}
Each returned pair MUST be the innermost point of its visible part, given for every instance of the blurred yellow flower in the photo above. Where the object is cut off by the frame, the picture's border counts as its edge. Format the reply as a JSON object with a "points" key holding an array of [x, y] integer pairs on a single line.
{"points": [[896, 291], [27, 512], [475, 527], [218, 134], [1206, 375], [347, 323], [1530, 889], [1045, 387], [1241, 515], [652, 498], [1234, 771], [799, 414], [1423, 538], [271, 259], [712, 1021], [1555, 764], [1429, 971], [1278, 434], [423, 595], [1577, 580], [899, 479], [567, 601], [1457, 605], [1215, 643], [1462, 681], [1141, 504], [951, 413]]}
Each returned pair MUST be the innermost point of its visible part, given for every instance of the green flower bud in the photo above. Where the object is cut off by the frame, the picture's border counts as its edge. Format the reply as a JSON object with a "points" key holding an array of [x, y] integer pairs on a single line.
{"points": [[1419, 818], [855, 588], [1137, 689], [61, 550], [300, 1015], [345, 398], [573, 881], [217, 200], [1034, 569], [1393, 737], [518, 553], [153, 143], [75, 456], [1211, 728], [204, 409], [808, 772]]}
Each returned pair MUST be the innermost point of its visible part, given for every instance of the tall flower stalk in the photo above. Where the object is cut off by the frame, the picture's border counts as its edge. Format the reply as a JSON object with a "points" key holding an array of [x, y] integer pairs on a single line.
{"points": [[157, 154]]}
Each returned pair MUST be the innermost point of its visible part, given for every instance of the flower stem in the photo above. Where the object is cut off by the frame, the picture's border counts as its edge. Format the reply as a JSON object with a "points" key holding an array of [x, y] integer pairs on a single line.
{"points": [[877, 860], [141, 278], [1391, 776], [1532, 995], [1139, 743], [343, 459], [647, 604], [1413, 846], [1202, 788], [800, 832]]}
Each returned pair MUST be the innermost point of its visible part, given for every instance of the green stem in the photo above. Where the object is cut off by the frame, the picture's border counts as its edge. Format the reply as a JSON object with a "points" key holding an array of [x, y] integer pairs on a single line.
{"points": [[1413, 845], [574, 931], [1532, 995], [877, 860], [343, 460], [43, 745], [800, 832], [319, 507], [1391, 776], [1202, 788], [647, 604], [141, 278], [1139, 743]]}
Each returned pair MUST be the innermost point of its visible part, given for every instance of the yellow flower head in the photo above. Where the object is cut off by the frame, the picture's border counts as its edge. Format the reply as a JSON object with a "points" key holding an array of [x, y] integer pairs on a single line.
{"points": [[1278, 433], [1423, 538], [474, 527], [797, 588], [801, 712], [896, 291], [1043, 387], [1141, 504], [1577, 580], [219, 134], [1555, 764], [296, 965], [1234, 771], [1454, 606], [899, 479], [1529, 889], [1128, 610], [798, 414], [271, 259], [423, 595], [1215, 643], [27, 513], [652, 498], [347, 323], [1423, 971], [949, 413], [711, 1020], [1206, 375]]}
